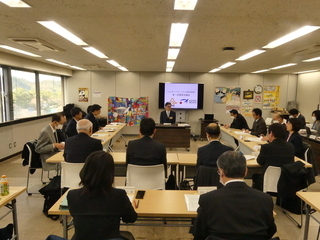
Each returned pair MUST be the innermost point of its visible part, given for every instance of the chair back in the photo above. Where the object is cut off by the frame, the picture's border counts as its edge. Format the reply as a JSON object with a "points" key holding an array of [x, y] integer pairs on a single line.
{"points": [[271, 178], [146, 177], [207, 176], [70, 174], [268, 121]]}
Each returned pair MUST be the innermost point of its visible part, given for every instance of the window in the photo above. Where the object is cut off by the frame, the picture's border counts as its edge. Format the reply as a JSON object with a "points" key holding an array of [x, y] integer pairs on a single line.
{"points": [[51, 97], [23, 94]]}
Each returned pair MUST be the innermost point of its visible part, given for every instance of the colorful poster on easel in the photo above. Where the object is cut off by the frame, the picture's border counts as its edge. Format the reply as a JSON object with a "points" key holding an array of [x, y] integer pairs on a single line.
{"points": [[127, 110], [246, 108], [271, 97]]}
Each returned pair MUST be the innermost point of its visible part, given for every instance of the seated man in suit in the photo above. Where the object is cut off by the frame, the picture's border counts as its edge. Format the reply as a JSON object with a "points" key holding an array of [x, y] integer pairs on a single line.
{"points": [[168, 116], [235, 211], [239, 122], [146, 151], [80, 146], [208, 155], [71, 128], [95, 111], [48, 141], [259, 126], [277, 153], [296, 114]]}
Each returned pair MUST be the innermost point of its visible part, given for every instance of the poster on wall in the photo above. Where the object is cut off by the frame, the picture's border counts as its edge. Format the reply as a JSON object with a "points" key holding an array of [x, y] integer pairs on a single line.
{"points": [[232, 105], [225, 94], [271, 97], [246, 108], [83, 94], [127, 110], [257, 98]]}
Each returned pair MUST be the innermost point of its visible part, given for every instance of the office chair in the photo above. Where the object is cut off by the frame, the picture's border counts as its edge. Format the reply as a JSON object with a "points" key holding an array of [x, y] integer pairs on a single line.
{"points": [[145, 177], [70, 174]]}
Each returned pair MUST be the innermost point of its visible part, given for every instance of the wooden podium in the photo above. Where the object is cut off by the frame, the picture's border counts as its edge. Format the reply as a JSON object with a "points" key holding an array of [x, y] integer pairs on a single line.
{"points": [[203, 124]]}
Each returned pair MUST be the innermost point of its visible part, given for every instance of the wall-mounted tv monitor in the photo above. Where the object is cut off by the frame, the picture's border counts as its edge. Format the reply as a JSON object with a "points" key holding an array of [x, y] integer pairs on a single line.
{"points": [[181, 95]]}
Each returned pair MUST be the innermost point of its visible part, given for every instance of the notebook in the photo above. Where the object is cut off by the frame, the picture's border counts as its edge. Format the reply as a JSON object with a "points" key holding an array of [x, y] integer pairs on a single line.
{"points": [[64, 203]]}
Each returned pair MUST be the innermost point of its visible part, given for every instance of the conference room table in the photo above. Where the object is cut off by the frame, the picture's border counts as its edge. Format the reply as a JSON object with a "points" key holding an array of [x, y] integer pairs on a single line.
{"points": [[168, 205], [312, 205], [9, 201]]}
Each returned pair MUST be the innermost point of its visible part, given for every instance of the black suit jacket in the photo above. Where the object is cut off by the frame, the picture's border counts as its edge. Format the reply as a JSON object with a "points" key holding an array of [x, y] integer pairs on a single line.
{"points": [[79, 147], [146, 151], [259, 127], [235, 211], [71, 128], [276, 153], [98, 216], [165, 119], [296, 140], [208, 155], [239, 123], [95, 124], [302, 120]]}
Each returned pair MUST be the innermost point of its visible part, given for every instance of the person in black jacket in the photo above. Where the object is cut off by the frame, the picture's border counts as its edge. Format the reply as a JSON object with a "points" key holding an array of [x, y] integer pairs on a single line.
{"points": [[259, 126], [296, 114], [239, 122], [235, 211], [293, 127], [97, 207], [71, 128], [168, 116], [95, 111]]}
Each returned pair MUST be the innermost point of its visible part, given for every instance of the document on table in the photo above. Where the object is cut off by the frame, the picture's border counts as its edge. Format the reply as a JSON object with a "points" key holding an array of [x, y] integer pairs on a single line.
{"points": [[192, 202], [249, 157], [252, 139], [241, 133]]}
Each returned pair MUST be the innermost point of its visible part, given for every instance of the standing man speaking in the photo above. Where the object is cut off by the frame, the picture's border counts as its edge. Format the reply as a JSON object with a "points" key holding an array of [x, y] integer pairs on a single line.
{"points": [[167, 116]]}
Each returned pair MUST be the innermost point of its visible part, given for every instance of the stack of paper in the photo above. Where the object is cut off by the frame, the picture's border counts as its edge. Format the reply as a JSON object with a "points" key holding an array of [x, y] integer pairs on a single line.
{"points": [[192, 202]]}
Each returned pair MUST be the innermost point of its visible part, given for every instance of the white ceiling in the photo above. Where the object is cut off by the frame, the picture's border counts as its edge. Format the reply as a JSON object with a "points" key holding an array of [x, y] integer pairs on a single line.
{"points": [[135, 33]]}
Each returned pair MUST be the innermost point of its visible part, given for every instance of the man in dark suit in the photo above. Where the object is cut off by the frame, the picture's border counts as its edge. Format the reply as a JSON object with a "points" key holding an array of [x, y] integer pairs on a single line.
{"points": [[296, 114], [48, 141], [235, 211], [146, 151], [80, 146], [239, 122], [168, 116], [95, 111], [208, 155], [71, 128], [259, 126], [277, 153]]}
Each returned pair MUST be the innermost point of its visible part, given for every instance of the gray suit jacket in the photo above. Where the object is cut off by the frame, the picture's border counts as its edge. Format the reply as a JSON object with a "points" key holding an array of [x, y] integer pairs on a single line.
{"points": [[45, 147]]}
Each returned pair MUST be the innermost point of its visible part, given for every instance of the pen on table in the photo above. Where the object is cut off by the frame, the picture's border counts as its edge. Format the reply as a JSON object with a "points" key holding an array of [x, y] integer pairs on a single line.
{"points": [[138, 203]]}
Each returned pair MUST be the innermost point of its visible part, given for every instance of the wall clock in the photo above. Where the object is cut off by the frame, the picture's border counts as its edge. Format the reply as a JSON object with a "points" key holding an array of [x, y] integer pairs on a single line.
{"points": [[258, 89]]}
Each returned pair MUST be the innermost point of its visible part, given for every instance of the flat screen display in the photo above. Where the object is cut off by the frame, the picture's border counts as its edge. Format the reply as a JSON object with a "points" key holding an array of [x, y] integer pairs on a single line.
{"points": [[181, 95]]}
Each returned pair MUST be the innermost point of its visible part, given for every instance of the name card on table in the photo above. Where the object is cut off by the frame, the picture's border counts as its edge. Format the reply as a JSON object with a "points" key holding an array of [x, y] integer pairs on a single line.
{"points": [[312, 136], [202, 190]]}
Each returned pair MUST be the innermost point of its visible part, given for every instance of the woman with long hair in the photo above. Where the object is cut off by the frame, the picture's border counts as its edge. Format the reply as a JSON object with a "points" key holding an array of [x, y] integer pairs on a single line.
{"points": [[293, 127]]}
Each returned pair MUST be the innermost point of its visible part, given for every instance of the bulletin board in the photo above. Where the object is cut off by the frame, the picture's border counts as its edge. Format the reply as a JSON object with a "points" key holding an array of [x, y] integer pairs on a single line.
{"points": [[127, 110], [271, 97]]}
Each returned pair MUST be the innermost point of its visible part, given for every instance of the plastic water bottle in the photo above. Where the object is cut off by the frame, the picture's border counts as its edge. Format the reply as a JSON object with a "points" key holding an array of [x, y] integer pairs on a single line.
{"points": [[4, 186]]}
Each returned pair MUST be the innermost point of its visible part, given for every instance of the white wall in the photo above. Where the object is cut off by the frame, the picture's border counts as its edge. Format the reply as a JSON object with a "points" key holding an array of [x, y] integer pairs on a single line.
{"points": [[308, 94], [145, 84]]}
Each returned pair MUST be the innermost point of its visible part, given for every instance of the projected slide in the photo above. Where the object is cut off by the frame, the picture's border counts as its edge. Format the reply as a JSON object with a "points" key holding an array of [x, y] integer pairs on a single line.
{"points": [[182, 95]]}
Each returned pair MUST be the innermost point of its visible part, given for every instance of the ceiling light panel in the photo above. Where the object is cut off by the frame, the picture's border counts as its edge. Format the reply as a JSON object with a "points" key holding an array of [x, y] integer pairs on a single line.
{"points": [[114, 63], [306, 71], [170, 64], [185, 4], [177, 33], [19, 51], [15, 3], [291, 36], [57, 62], [173, 53], [228, 64], [215, 70], [168, 69], [53, 26], [123, 69], [250, 55], [284, 66], [260, 71], [95, 52], [312, 59], [79, 68]]}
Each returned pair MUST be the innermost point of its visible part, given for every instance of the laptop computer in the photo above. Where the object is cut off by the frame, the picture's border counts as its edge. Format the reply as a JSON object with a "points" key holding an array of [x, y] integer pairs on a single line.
{"points": [[208, 116]]}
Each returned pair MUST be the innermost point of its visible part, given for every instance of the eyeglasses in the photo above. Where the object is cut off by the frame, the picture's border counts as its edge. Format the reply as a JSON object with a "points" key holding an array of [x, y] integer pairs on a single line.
{"points": [[218, 172]]}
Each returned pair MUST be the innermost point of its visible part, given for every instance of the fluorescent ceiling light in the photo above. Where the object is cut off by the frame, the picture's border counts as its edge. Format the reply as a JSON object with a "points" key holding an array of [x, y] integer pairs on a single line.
{"points": [[306, 71], [123, 69], [170, 64], [168, 69], [311, 59], [291, 36], [228, 64], [79, 68], [185, 4], [250, 55], [284, 66], [55, 61], [114, 63], [260, 71], [215, 70], [95, 52], [53, 26], [173, 53], [18, 50], [177, 33], [15, 3]]}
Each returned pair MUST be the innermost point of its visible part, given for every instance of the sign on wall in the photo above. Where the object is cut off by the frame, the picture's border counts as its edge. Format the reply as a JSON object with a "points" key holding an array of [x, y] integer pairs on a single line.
{"points": [[83, 94], [271, 97]]}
